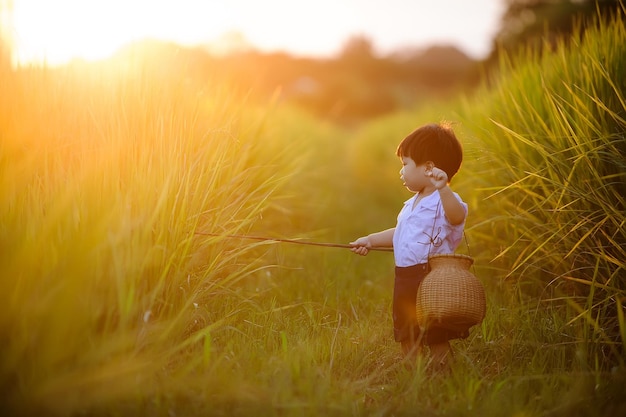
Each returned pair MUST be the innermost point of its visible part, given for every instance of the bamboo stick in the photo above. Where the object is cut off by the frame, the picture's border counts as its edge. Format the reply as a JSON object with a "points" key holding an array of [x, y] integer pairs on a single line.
{"points": [[296, 241]]}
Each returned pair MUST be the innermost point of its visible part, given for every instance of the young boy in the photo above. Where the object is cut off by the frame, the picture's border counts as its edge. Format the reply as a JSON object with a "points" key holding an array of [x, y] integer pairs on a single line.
{"points": [[431, 222]]}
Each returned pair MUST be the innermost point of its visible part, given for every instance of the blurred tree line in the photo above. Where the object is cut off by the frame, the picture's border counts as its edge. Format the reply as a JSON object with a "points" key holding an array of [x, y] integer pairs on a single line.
{"points": [[358, 83], [354, 85]]}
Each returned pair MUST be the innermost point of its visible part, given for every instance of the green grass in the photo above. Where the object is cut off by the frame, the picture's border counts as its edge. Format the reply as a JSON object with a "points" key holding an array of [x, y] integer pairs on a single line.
{"points": [[104, 183], [555, 144], [112, 305]]}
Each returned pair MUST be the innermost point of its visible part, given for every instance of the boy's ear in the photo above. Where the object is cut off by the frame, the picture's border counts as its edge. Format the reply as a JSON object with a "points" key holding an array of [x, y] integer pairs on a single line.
{"points": [[430, 165]]}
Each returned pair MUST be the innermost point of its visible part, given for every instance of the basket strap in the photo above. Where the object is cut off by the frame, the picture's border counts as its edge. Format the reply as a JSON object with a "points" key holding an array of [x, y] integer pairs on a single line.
{"points": [[432, 238], [469, 253], [467, 243]]}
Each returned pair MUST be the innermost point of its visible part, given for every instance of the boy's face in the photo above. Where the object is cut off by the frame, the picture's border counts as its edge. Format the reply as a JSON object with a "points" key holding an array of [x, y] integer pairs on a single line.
{"points": [[414, 176]]}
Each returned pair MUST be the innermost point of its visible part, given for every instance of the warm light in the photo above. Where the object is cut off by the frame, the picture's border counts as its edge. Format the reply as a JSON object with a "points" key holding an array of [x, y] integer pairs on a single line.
{"points": [[55, 31]]}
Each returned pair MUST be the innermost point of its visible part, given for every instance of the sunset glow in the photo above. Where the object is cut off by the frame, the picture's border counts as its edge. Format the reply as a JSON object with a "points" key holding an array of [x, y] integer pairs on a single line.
{"points": [[64, 29], [57, 31]]}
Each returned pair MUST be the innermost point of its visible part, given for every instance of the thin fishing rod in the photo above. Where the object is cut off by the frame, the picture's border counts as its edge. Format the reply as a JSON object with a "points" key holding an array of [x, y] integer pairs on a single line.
{"points": [[299, 242]]}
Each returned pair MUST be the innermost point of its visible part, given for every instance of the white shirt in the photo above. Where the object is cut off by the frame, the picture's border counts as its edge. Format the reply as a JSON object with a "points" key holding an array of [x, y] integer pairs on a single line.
{"points": [[425, 230]]}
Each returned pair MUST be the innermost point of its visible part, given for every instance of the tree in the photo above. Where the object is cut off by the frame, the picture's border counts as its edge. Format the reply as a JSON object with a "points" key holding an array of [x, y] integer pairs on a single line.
{"points": [[533, 22], [358, 47]]}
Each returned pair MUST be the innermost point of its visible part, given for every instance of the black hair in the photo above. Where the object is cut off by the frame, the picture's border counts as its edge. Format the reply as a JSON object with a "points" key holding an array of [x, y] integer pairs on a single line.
{"points": [[434, 142]]}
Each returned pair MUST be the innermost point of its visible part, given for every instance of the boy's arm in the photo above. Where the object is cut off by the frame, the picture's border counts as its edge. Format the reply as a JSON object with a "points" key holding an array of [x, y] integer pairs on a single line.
{"points": [[452, 207], [382, 239]]}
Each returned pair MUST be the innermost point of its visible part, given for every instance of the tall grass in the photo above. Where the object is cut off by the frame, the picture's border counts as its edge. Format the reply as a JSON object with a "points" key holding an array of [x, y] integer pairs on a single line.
{"points": [[554, 159], [106, 173]]}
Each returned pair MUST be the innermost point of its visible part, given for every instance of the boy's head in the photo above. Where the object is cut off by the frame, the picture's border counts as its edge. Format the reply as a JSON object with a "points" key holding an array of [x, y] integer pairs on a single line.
{"points": [[434, 142]]}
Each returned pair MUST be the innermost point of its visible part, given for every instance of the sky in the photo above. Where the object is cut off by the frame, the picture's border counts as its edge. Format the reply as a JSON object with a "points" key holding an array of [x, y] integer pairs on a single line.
{"points": [[60, 30]]}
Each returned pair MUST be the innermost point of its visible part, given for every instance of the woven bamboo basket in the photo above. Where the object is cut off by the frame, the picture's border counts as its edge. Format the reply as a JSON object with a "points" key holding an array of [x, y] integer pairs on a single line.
{"points": [[450, 295]]}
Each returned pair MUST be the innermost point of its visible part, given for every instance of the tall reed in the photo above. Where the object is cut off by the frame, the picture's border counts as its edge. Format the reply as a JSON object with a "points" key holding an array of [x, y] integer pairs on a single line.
{"points": [[554, 156], [106, 172]]}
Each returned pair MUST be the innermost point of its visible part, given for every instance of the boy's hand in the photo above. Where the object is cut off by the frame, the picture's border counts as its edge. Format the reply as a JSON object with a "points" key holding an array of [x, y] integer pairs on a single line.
{"points": [[438, 177], [361, 246]]}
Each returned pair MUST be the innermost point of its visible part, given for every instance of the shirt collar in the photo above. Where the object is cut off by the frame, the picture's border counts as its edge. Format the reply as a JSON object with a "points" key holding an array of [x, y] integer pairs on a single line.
{"points": [[427, 201]]}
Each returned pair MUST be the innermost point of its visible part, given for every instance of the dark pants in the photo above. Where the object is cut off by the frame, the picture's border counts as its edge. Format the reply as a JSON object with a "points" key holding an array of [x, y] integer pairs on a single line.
{"points": [[405, 327]]}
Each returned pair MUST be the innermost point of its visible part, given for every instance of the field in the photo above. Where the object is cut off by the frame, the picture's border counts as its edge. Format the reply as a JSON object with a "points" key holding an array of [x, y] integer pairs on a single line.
{"points": [[118, 299]]}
